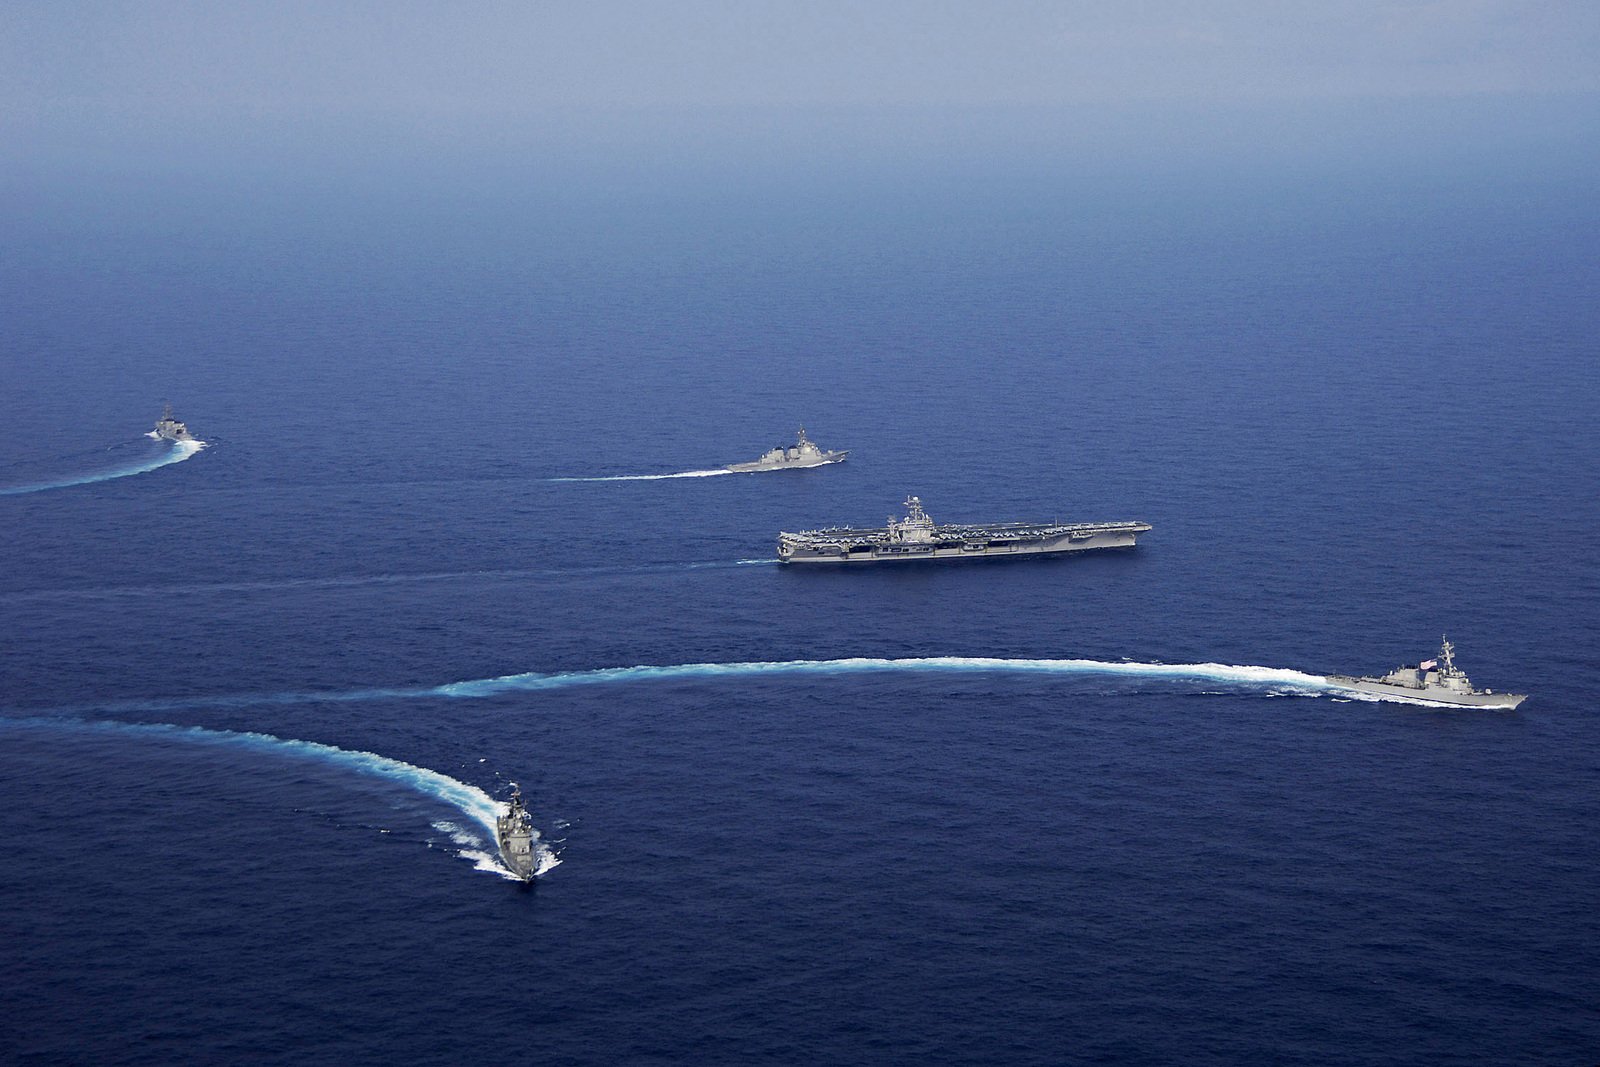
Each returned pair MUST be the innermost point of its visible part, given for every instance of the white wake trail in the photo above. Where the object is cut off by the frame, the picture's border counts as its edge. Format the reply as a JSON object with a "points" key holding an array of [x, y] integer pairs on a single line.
{"points": [[470, 801], [1275, 681], [647, 477], [1249, 676], [180, 451]]}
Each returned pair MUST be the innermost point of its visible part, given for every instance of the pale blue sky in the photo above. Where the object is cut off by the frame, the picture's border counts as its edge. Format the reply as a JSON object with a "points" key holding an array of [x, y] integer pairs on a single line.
{"points": [[164, 59]]}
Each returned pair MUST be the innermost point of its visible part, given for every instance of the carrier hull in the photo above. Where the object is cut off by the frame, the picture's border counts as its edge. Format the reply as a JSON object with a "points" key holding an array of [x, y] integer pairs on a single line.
{"points": [[918, 538], [960, 549]]}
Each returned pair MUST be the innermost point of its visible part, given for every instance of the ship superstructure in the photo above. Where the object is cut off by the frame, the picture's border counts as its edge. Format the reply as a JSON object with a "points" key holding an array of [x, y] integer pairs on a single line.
{"points": [[515, 833], [169, 428], [918, 537], [803, 453], [1438, 680]]}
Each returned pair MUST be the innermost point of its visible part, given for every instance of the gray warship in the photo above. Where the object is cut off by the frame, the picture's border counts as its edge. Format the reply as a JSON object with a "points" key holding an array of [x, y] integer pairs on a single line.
{"points": [[801, 454], [917, 537], [1440, 681], [514, 831], [169, 428]]}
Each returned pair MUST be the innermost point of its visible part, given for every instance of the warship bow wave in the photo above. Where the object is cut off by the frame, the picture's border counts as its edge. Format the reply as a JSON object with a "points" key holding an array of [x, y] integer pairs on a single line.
{"points": [[514, 831], [169, 428], [917, 537], [801, 454], [1440, 681]]}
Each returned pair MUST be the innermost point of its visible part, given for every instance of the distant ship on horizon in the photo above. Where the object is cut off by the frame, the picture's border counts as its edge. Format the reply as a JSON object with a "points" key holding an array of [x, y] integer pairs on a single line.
{"points": [[918, 537]]}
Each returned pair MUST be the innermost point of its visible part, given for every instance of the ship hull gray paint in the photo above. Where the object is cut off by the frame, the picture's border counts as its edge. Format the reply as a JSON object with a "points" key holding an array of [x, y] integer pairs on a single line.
{"points": [[1049, 546], [799, 464], [1439, 695], [803, 454], [169, 428], [514, 833], [520, 867]]}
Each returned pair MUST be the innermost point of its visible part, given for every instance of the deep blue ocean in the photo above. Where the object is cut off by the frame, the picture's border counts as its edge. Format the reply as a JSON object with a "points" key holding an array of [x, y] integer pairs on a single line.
{"points": [[244, 786]]}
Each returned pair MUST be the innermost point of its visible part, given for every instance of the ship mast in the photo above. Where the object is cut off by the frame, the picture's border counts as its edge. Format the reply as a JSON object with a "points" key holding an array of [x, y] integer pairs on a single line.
{"points": [[1448, 652]]}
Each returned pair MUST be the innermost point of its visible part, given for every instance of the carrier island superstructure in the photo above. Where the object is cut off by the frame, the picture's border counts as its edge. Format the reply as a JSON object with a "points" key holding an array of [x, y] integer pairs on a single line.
{"points": [[918, 537]]}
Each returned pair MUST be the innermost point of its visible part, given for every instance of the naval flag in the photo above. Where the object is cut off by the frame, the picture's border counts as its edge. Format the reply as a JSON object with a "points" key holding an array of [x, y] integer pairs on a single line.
{"points": [[1427, 665]]}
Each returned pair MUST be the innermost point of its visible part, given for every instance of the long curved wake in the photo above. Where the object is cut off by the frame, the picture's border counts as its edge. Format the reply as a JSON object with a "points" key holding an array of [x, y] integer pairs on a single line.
{"points": [[177, 453], [478, 807], [1276, 681], [1273, 680], [647, 477], [1223, 673]]}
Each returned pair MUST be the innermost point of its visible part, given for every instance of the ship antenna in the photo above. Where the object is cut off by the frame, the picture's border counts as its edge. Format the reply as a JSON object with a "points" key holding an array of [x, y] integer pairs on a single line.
{"points": [[1449, 654]]}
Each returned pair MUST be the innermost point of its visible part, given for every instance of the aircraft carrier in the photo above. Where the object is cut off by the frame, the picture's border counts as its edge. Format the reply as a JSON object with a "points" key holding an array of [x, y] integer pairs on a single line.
{"points": [[917, 537]]}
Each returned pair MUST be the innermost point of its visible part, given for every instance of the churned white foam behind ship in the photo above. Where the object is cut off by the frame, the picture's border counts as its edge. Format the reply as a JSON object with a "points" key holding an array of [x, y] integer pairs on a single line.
{"points": [[1250, 676], [180, 451], [479, 808], [1279, 680], [646, 477]]}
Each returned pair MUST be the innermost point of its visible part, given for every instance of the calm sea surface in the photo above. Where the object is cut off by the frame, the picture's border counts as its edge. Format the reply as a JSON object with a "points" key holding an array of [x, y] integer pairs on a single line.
{"points": [[1359, 413]]}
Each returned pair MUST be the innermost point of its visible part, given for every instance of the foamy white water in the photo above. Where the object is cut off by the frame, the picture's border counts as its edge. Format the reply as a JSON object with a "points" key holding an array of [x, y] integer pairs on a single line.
{"points": [[180, 451], [1244, 676], [1236, 677], [648, 477], [476, 841]]}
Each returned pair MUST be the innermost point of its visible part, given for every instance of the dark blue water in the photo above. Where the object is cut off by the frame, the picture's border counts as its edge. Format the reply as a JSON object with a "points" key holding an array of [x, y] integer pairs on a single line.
{"points": [[1357, 408]]}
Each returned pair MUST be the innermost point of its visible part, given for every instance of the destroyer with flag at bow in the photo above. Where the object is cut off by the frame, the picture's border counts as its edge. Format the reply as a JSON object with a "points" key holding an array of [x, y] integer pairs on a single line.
{"points": [[515, 834], [1437, 680], [918, 537], [801, 454]]}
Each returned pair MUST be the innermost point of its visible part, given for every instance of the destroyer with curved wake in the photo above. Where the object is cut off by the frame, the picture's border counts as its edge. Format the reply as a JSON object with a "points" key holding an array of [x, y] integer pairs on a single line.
{"points": [[917, 537], [1439, 681], [478, 807], [803, 453]]}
